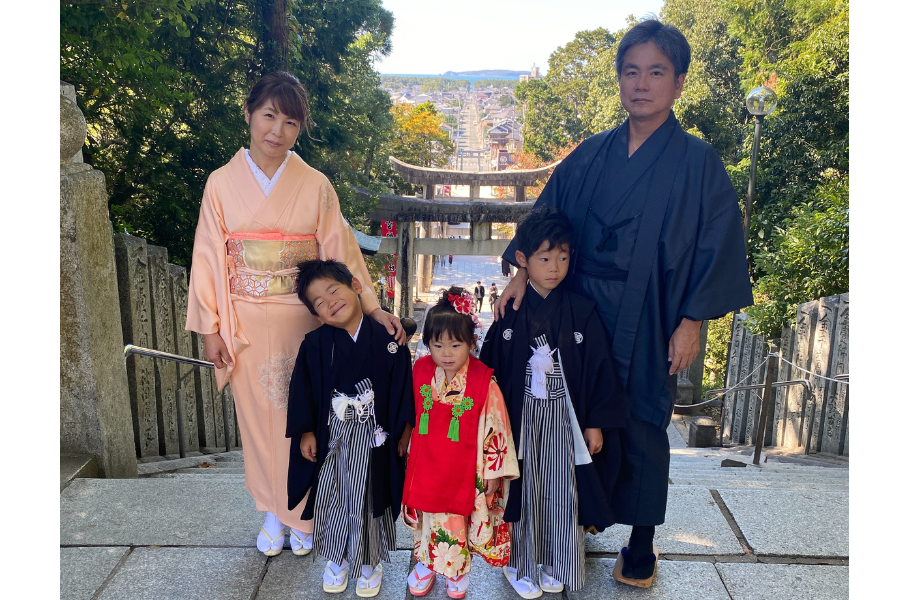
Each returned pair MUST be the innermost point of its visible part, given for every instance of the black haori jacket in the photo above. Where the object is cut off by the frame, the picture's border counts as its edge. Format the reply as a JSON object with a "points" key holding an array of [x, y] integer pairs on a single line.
{"points": [[329, 359], [572, 325]]}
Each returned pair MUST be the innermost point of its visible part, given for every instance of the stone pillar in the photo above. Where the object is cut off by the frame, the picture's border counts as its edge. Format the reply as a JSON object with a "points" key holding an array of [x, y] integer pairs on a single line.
{"points": [[178, 284], [207, 398], [473, 191], [732, 376], [779, 413], [429, 191], [797, 397], [95, 413], [405, 266], [137, 329], [754, 397], [425, 261], [837, 398], [520, 193], [164, 340], [821, 364]]}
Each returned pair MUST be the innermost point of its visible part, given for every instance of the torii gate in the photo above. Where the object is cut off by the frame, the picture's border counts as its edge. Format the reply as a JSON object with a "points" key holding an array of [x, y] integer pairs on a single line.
{"points": [[480, 213]]}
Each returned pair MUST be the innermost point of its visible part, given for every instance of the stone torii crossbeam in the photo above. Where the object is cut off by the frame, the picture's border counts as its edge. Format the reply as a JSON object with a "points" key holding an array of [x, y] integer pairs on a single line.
{"points": [[480, 213]]}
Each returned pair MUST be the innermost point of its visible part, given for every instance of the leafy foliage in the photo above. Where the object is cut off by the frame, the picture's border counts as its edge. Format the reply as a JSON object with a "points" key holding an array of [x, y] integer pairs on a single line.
{"points": [[418, 140], [808, 258], [162, 83]]}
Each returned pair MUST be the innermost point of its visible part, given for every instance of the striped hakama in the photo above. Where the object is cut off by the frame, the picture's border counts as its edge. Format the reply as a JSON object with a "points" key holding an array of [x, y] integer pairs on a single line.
{"points": [[548, 532], [343, 524]]}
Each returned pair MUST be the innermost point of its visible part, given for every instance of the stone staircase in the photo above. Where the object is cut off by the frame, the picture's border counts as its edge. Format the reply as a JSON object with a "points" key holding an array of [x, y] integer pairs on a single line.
{"points": [[731, 533]]}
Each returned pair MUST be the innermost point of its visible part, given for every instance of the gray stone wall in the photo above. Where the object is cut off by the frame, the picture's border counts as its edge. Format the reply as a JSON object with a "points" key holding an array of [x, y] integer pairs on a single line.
{"points": [[95, 415], [153, 299], [816, 349]]}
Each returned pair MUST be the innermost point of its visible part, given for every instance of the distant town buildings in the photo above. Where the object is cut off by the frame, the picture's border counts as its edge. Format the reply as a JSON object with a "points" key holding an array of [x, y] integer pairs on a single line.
{"points": [[498, 117], [535, 74]]}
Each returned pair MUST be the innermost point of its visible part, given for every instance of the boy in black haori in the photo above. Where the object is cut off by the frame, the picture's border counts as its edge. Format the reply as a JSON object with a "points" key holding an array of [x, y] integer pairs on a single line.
{"points": [[553, 362], [350, 396]]}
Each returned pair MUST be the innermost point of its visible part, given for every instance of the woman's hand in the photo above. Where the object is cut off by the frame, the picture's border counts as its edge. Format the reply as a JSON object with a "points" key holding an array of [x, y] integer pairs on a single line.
{"points": [[215, 351], [515, 289], [492, 485], [308, 446], [594, 440], [391, 323]]}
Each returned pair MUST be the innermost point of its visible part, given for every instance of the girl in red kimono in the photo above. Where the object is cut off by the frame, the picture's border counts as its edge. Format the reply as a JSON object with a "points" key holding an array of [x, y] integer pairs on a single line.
{"points": [[262, 214], [461, 454]]}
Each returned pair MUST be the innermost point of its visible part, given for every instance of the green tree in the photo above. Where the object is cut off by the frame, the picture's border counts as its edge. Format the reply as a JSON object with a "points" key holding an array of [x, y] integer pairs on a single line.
{"points": [[161, 85], [417, 140]]}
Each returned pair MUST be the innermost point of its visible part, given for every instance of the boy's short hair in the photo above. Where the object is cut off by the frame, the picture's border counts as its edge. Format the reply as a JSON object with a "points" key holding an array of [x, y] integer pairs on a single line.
{"points": [[544, 225], [314, 270]]}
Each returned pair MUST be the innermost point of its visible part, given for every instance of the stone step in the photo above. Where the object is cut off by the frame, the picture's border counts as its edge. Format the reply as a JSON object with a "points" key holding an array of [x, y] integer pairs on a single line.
{"points": [[215, 470], [750, 473], [766, 467], [213, 476], [770, 485]]}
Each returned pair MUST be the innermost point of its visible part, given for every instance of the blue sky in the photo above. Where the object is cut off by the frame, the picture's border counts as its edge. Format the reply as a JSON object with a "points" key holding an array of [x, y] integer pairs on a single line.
{"points": [[464, 35]]}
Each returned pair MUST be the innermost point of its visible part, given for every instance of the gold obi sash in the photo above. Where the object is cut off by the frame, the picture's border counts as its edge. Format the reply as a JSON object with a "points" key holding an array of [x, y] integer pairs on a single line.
{"points": [[265, 264]]}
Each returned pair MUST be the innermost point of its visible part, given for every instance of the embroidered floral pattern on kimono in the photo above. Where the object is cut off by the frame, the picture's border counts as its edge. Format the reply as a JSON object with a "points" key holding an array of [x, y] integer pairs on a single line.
{"points": [[275, 378], [445, 542]]}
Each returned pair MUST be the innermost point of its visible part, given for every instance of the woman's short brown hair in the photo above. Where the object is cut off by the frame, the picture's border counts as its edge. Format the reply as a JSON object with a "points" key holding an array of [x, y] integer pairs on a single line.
{"points": [[286, 92]]}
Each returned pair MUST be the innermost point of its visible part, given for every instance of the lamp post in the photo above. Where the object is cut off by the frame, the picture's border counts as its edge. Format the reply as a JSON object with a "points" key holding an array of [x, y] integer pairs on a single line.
{"points": [[760, 102]]}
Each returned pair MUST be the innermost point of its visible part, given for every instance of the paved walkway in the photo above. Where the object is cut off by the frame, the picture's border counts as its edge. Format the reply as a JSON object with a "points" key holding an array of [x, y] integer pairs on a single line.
{"points": [[187, 529]]}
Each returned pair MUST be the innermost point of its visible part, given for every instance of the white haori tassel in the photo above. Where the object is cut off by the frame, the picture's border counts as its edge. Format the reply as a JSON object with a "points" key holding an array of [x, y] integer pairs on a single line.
{"points": [[379, 437], [541, 365]]}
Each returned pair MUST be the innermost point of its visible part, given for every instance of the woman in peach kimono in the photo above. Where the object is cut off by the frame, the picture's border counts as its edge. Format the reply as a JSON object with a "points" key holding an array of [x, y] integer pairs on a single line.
{"points": [[263, 213]]}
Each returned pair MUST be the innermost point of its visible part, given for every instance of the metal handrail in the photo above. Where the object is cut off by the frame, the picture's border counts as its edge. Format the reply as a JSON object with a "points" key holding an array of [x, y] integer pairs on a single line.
{"points": [[131, 349], [179, 394]]}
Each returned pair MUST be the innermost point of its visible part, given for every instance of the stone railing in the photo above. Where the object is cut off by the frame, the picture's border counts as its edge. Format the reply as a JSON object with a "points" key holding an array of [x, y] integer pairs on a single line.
{"points": [[153, 304], [816, 348]]}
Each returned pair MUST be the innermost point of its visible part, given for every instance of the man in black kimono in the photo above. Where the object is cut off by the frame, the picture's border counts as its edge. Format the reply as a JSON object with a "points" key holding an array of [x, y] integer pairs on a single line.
{"points": [[660, 250]]}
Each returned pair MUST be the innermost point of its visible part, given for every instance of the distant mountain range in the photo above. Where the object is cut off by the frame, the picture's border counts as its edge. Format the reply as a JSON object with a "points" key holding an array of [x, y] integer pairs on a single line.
{"points": [[486, 73]]}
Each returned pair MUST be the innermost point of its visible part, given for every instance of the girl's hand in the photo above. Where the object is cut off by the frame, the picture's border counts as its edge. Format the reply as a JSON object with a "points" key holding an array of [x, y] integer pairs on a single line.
{"points": [[594, 440], [215, 351], [492, 486], [391, 323], [308, 446]]}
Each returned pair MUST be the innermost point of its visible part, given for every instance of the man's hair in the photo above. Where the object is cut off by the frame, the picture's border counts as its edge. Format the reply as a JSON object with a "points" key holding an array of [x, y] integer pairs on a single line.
{"points": [[443, 318], [314, 270], [541, 226], [667, 38]]}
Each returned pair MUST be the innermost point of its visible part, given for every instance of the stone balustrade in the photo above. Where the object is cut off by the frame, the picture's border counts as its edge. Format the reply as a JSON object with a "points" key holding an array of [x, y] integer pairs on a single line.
{"points": [[816, 348]]}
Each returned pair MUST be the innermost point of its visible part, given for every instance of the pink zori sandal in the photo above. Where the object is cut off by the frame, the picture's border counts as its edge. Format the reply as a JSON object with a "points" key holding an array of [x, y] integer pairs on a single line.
{"points": [[455, 583], [414, 590]]}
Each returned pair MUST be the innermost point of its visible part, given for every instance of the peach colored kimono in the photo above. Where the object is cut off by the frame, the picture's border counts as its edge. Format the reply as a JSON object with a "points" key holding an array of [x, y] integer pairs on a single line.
{"points": [[262, 327]]}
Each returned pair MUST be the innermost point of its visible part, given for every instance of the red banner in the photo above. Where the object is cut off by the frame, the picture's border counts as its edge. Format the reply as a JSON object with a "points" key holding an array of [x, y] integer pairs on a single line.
{"points": [[389, 229]]}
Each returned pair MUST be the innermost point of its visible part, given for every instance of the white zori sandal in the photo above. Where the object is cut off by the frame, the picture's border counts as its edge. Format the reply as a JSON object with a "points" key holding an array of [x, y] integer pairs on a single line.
{"points": [[548, 582], [524, 586], [368, 586], [270, 540], [301, 543], [334, 580]]}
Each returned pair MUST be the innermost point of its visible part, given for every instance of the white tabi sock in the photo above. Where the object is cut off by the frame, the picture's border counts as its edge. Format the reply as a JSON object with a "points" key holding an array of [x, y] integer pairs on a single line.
{"points": [[275, 529]]}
